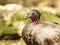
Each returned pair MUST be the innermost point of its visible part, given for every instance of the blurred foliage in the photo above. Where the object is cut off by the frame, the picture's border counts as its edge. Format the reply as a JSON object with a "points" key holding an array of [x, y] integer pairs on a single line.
{"points": [[12, 22], [28, 3], [50, 14]]}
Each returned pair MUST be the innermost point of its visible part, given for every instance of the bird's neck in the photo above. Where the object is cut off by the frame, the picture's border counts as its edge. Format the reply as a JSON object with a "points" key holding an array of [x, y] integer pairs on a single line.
{"points": [[34, 20]]}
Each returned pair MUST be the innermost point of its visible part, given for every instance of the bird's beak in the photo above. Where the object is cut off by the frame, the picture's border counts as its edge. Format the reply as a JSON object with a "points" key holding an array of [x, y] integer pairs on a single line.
{"points": [[27, 16]]}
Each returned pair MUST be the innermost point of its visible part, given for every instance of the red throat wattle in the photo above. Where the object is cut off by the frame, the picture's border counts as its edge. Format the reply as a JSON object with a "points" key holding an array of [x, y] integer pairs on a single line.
{"points": [[33, 19]]}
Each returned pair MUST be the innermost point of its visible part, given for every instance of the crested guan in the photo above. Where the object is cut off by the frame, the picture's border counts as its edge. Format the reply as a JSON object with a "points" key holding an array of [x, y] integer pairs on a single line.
{"points": [[38, 33]]}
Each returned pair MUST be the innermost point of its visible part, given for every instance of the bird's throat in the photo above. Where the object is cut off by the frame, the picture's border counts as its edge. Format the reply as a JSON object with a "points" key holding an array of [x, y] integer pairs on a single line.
{"points": [[33, 19]]}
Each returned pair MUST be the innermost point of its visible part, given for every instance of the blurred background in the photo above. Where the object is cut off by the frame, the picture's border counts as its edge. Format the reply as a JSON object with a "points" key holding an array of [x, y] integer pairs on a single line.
{"points": [[12, 13]]}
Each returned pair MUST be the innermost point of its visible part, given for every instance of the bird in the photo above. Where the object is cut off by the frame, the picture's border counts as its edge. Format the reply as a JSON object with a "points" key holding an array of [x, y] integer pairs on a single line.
{"points": [[38, 33]]}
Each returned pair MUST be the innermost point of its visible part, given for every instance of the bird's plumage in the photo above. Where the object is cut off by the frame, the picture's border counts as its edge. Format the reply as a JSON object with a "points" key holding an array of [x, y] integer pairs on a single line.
{"points": [[37, 33]]}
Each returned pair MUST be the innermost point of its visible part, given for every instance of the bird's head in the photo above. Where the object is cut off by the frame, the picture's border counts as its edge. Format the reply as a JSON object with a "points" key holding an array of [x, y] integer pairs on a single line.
{"points": [[34, 15]]}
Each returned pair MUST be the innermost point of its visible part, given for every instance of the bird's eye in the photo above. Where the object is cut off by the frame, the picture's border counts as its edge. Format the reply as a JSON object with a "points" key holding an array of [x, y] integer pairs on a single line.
{"points": [[32, 13]]}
